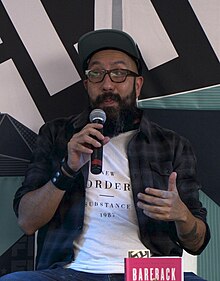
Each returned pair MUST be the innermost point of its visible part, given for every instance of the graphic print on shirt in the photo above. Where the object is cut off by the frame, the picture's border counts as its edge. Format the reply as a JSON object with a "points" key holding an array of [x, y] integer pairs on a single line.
{"points": [[109, 194]]}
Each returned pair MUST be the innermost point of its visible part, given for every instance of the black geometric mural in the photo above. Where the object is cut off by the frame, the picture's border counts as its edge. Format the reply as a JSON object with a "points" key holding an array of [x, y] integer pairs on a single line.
{"points": [[19, 256], [16, 144]]}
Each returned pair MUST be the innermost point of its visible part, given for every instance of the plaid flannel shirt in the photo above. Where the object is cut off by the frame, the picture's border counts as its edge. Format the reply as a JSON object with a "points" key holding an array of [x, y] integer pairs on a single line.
{"points": [[153, 153]]}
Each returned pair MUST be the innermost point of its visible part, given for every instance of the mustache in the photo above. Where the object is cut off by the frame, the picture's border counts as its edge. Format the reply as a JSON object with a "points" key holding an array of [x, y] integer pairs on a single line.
{"points": [[108, 95]]}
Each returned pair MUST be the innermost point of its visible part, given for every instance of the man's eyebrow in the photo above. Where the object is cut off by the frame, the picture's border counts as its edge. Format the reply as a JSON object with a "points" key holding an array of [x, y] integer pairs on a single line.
{"points": [[96, 62]]}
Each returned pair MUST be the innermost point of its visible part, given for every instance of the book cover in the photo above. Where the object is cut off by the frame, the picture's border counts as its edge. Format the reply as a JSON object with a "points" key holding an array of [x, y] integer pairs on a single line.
{"points": [[154, 269]]}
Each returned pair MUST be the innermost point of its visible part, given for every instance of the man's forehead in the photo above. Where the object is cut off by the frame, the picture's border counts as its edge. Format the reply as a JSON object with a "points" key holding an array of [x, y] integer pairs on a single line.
{"points": [[110, 56]]}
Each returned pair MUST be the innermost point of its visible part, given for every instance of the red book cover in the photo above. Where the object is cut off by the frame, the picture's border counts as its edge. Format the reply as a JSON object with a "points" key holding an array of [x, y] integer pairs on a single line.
{"points": [[154, 269]]}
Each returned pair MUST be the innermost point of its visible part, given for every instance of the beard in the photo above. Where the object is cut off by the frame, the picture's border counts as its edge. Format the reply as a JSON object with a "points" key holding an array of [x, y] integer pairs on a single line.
{"points": [[121, 118]]}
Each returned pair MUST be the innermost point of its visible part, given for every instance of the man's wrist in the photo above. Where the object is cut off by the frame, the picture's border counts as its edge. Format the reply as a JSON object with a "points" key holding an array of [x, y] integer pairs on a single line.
{"points": [[62, 180], [66, 168]]}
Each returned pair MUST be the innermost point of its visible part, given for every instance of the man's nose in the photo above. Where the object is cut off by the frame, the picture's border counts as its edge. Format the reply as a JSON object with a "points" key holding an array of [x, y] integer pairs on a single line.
{"points": [[107, 83]]}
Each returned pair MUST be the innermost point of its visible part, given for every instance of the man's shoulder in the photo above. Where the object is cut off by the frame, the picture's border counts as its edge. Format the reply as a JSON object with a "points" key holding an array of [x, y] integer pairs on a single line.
{"points": [[73, 121], [167, 133], [163, 130], [60, 121], [156, 131]]}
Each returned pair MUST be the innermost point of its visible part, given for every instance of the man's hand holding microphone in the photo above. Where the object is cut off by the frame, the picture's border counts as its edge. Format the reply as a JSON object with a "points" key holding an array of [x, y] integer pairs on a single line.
{"points": [[88, 143]]}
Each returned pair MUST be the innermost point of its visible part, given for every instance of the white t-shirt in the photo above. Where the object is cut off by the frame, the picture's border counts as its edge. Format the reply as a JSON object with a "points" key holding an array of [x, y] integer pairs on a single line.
{"points": [[110, 224]]}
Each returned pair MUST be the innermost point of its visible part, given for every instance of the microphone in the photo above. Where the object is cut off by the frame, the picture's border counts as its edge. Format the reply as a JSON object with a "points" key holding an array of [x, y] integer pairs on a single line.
{"points": [[97, 116]]}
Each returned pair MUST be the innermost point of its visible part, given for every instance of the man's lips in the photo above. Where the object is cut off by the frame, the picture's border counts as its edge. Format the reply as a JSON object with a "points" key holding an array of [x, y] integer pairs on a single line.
{"points": [[109, 101]]}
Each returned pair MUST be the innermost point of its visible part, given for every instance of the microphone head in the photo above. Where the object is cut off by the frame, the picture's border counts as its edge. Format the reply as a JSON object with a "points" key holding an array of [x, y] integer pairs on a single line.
{"points": [[97, 114]]}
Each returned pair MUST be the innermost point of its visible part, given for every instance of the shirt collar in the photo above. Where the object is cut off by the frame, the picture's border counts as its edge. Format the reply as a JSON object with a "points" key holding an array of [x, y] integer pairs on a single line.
{"points": [[145, 125]]}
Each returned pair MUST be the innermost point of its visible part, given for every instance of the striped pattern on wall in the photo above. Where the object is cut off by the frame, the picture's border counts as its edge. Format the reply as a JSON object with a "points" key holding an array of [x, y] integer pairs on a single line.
{"points": [[209, 260]]}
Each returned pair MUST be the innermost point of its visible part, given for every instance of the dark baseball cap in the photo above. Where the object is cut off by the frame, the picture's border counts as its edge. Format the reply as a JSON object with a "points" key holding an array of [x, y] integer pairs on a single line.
{"points": [[103, 39]]}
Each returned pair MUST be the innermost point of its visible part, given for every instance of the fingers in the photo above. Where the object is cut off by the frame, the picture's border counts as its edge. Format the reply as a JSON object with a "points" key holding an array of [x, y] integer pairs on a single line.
{"points": [[153, 194], [81, 145], [88, 137], [153, 207], [172, 182], [161, 199], [106, 140], [156, 207], [156, 212], [162, 204]]}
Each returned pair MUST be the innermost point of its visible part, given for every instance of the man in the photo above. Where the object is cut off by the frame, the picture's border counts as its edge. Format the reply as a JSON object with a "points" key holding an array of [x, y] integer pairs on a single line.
{"points": [[146, 196]]}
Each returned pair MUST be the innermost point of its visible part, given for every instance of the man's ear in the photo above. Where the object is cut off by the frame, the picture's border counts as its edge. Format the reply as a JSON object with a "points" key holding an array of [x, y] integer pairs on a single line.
{"points": [[138, 85], [85, 83]]}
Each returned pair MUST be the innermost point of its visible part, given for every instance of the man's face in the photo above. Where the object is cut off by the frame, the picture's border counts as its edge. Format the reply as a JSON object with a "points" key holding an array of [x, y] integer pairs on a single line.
{"points": [[108, 95]]}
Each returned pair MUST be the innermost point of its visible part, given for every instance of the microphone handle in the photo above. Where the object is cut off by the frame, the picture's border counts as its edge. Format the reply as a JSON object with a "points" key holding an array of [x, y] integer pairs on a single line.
{"points": [[96, 157]]}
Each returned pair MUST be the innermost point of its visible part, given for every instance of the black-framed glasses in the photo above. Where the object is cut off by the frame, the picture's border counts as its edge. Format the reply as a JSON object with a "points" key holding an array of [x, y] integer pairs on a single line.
{"points": [[116, 75]]}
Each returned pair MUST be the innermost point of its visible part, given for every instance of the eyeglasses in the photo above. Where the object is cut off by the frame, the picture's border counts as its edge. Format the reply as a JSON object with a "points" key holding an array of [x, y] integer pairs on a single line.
{"points": [[116, 75]]}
